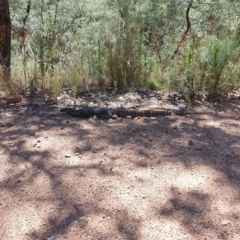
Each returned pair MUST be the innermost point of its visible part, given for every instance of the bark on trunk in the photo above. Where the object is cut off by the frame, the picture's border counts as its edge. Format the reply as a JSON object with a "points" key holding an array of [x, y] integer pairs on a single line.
{"points": [[5, 40]]}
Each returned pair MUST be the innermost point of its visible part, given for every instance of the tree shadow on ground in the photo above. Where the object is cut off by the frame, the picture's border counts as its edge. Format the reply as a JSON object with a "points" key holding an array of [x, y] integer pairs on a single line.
{"points": [[149, 144]]}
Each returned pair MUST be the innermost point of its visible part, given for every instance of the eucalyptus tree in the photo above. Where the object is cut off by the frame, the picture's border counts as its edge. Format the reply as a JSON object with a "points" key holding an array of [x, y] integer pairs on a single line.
{"points": [[5, 40]]}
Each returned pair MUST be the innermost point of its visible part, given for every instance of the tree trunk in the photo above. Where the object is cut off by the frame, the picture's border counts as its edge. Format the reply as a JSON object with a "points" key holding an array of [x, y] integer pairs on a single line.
{"points": [[184, 36], [5, 41]]}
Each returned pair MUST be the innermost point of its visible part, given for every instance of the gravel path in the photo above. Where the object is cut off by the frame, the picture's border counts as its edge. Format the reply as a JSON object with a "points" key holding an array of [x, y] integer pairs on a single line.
{"points": [[131, 179]]}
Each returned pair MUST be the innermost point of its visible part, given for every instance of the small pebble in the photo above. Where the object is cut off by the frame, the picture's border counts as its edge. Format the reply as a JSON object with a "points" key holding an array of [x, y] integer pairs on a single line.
{"points": [[225, 222], [115, 116], [206, 225]]}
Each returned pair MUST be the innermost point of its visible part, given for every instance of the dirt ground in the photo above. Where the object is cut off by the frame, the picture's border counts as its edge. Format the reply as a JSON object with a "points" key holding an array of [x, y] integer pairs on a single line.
{"points": [[172, 178]]}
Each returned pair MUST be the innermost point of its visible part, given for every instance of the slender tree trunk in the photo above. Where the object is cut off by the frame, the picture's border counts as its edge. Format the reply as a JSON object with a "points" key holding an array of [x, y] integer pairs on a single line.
{"points": [[5, 41], [184, 36]]}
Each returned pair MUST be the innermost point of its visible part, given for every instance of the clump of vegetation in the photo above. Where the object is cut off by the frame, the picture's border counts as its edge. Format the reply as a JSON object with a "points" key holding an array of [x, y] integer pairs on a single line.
{"points": [[120, 43]]}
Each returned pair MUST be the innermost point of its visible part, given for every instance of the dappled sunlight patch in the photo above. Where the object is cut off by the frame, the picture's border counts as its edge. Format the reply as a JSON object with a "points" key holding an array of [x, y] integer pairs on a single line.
{"points": [[227, 126], [101, 223], [196, 178], [68, 160], [213, 123], [5, 165], [23, 219], [206, 179], [225, 201], [140, 175], [156, 229], [178, 123], [133, 192]]}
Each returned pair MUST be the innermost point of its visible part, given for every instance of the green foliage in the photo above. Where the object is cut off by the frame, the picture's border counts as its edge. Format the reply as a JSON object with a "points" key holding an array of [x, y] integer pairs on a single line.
{"points": [[217, 57], [190, 72], [115, 85], [153, 85], [40, 44], [120, 43], [74, 90], [172, 77], [126, 55]]}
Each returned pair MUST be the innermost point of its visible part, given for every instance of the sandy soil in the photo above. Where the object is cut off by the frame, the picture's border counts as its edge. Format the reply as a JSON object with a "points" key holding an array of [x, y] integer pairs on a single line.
{"points": [[131, 179]]}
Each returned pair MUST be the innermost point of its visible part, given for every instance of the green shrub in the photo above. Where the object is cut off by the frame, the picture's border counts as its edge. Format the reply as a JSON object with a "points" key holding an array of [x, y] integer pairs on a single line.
{"points": [[216, 57]]}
